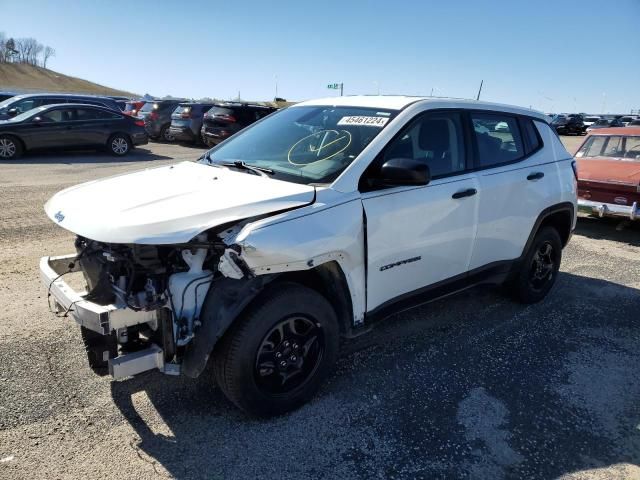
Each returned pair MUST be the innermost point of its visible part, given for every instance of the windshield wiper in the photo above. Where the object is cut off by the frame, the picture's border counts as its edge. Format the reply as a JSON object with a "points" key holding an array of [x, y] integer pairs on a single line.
{"points": [[239, 164]]}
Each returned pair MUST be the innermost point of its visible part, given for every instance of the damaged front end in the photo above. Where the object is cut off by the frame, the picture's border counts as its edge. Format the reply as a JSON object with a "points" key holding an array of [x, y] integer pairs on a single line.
{"points": [[142, 304]]}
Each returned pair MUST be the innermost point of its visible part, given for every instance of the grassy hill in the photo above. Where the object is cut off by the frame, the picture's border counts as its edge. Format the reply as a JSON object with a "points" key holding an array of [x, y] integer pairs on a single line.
{"points": [[27, 78]]}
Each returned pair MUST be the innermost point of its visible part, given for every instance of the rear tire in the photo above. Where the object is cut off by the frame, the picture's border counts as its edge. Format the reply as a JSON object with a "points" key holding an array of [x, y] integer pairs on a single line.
{"points": [[539, 268], [119, 144], [10, 147], [165, 135], [279, 351]]}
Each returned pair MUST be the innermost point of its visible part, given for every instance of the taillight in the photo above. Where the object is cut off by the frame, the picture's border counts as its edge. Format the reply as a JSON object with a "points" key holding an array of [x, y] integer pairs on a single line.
{"points": [[226, 118], [139, 123], [574, 166]]}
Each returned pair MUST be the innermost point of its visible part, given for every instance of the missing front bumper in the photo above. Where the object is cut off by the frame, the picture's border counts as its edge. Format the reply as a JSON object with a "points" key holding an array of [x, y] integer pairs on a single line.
{"points": [[103, 320]]}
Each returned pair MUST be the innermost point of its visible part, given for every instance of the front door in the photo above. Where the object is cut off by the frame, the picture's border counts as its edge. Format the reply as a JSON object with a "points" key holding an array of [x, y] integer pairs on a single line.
{"points": [[49, 129], [419, 236]]}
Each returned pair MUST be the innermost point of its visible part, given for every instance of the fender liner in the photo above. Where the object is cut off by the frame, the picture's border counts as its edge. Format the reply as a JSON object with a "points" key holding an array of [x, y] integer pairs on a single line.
{"points": [[227, 297]]}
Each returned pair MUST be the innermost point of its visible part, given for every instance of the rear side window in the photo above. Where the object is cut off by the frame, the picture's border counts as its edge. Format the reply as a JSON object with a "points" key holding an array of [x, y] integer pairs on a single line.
{"points": [[94, 114], [498, 139], [532, 141]]}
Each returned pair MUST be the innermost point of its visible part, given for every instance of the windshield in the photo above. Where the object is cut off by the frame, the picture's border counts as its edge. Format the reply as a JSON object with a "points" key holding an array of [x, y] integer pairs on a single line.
{"points": [[614, 146], [9, 101], [558, 119], [305, 144]]}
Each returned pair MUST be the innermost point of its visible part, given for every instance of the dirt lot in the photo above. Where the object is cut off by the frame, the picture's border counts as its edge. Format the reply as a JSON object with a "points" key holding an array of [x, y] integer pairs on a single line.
{"points": [[473, 386]]}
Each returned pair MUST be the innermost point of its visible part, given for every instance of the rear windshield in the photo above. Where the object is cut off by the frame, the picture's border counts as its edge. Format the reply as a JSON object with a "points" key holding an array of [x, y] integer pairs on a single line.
{"points": [[130, 107], [614, 146], [218, 112], [183, 108]]}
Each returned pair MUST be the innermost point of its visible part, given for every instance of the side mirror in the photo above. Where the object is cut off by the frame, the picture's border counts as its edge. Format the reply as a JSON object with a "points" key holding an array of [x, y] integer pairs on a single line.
{"points": [[36, 120], [397, 172], [12, 112]]}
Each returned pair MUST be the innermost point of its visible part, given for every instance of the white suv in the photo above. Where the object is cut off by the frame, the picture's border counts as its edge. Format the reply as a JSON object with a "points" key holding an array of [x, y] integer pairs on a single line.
{"points": [[306, 226]]}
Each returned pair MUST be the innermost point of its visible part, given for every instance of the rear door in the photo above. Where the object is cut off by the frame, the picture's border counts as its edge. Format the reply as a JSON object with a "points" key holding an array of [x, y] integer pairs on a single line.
{"points": [[93, 126], [517, 180], [419, 236]]}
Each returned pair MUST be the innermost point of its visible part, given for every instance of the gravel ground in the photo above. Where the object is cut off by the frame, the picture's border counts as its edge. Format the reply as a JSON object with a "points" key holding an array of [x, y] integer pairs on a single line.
{"points": [[473, 386]]}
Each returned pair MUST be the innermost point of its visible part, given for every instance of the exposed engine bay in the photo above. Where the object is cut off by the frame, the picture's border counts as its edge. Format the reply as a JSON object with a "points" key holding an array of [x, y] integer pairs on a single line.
{"points": [[171, 281]]}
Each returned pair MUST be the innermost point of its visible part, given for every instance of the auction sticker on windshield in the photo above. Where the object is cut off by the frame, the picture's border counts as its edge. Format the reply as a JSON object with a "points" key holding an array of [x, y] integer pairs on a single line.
{"points": [[364, 121]]}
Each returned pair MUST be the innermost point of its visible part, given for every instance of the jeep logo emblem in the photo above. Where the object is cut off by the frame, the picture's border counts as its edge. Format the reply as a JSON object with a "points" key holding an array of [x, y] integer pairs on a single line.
{"points": [[59, 217]]}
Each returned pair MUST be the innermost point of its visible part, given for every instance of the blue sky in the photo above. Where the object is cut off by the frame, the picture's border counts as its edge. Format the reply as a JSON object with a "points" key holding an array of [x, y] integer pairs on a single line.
{"points": [[569, 55]]}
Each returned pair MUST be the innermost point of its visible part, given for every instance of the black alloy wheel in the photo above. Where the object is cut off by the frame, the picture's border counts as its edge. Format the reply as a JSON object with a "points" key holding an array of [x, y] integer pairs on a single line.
{"points": [[538, 268], [289, 355]]}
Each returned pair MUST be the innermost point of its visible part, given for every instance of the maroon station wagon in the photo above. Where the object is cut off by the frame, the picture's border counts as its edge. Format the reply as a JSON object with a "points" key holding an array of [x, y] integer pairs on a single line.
{"points": [[609, 173]]}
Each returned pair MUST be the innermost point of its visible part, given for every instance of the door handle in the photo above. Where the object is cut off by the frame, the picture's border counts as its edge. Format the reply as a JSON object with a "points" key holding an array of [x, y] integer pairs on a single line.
{"points": [[535, 176], [469, 192]]}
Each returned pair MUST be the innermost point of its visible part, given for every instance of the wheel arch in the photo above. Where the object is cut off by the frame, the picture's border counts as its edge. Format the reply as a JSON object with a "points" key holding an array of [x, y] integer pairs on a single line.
{"points": [[228, 298], [120, 132], [560, 217], [18, 138]]}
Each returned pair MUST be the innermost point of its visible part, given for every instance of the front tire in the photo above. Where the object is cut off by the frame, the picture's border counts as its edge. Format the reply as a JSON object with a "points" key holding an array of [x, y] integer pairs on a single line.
{"points": [[119, 145], [10, 148], [277, 354], [539, 268]]}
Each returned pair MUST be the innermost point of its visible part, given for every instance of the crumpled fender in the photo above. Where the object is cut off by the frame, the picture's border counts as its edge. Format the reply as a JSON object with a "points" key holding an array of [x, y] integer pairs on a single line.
{"points": [[227, 297]]}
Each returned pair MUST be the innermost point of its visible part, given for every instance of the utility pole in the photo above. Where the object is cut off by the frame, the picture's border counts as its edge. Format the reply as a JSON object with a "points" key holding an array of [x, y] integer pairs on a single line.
{"points": [[480, 90], [341, 87]]}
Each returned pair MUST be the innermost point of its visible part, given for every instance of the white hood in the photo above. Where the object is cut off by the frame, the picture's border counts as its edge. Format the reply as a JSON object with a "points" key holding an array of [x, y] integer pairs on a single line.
{"points": [[170, 204]]}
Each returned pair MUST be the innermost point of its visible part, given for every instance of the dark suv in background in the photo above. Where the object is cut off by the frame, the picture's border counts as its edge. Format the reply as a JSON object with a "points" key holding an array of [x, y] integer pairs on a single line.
{"points": [[23, 103], [226, 119], [157, 118], [569, 124], [186, 121]]}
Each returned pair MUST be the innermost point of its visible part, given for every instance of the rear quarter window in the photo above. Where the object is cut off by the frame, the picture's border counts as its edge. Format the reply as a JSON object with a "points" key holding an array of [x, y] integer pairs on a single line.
{"points": [[530, 135]]}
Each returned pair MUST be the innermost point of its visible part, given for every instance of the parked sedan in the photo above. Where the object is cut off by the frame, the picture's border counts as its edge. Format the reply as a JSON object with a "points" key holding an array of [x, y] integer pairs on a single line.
{"points": [[605, 123], [226, 119], [23, 103], [626, 120], [63, 126], [186, 121], [588, 121], [609, 173]]}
